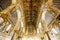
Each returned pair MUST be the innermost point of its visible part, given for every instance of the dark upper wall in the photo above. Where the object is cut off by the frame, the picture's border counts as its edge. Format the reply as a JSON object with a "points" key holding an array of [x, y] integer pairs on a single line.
{"points": [[56, 3], [4, 3]]}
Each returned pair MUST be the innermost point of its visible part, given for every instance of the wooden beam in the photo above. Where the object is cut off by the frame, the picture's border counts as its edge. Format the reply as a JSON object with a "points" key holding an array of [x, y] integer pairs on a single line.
{"points": [[14, 1], [57, 11], [54, 9], [9, 9]]}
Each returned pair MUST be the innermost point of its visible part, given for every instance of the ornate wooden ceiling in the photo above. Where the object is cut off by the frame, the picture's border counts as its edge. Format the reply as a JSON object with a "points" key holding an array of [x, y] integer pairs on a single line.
{"points": [[32, 11]]}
